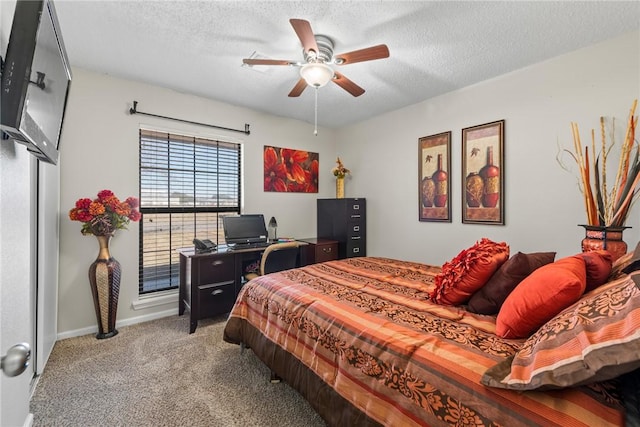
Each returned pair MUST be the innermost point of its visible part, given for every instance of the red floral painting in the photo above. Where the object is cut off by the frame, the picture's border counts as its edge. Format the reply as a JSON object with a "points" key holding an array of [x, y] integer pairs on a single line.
{"points": [[288, 170]]}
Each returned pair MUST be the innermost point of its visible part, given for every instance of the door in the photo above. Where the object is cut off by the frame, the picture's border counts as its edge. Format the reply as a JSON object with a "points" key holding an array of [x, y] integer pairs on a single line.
{"points": [[16, 275]]}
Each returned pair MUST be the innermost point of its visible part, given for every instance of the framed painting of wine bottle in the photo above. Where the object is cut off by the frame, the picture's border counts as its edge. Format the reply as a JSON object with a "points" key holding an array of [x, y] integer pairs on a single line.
{"points": [[434, 185], [483, 174]]}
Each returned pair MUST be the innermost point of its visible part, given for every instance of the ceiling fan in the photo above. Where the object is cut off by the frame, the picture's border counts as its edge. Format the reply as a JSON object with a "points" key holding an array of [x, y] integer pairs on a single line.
{"points": [[318, 54]]}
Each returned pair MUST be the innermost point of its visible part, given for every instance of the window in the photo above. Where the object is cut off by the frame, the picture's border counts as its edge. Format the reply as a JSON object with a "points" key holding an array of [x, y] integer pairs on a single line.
{"points": [[187, 185]]}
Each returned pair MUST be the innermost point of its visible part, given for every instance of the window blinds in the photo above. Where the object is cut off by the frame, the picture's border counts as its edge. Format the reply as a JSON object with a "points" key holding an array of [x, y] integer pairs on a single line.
{"points": [[186, 185]]}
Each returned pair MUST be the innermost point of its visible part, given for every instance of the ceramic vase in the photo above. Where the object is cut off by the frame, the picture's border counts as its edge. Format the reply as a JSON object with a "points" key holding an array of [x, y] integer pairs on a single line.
{"points": [[601, 237], [490, 175], [339, 188], [440, 180], [104, 277]]}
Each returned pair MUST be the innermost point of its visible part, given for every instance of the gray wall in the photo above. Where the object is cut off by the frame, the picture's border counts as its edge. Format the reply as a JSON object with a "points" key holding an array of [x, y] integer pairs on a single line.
{"points": [[543, 205], [100, 151], [538, 103]]}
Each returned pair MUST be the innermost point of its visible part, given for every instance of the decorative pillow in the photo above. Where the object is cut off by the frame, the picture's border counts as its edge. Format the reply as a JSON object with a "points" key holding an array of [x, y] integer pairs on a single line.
{"points": [[468, 272], [540, 296], [490, 297], [598, 268], [633, 263], [595, 339]]}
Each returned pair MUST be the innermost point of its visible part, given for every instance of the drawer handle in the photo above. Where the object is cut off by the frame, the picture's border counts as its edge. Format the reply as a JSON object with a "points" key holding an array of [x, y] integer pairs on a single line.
{"points": [[355, 216], [217, 262], [356, 250], [355, 237], [213, 285], [326, 250], [356, 228], [217, 292], [356, 207]]}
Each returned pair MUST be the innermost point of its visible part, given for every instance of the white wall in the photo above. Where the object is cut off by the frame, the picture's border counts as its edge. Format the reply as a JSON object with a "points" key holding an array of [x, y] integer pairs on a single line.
{"points": [[99, 150], [17, 235], [542, 205], [542, 202]]}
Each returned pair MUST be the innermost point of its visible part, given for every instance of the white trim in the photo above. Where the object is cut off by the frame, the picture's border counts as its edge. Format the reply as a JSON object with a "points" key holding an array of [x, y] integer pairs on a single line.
{"points": [[127, 322], [154, 300], [28, 422]]}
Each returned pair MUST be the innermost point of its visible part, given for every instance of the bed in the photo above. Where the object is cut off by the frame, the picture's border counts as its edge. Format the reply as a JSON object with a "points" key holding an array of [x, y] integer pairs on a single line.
{"points": [[364, 342]]}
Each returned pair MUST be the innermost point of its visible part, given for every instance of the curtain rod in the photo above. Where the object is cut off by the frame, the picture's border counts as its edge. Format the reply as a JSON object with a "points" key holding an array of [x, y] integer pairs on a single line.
{"points": [[134, 110]]}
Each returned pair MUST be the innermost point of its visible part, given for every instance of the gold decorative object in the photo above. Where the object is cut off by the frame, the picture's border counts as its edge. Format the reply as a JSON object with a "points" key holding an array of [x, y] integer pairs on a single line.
{"points": [[339, 188], [340, 172]]}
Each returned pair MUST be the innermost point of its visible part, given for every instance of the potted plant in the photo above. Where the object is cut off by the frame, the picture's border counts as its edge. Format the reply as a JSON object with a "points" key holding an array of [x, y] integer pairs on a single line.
{"points": [[607, 203], [101, 217], [339, 171]]}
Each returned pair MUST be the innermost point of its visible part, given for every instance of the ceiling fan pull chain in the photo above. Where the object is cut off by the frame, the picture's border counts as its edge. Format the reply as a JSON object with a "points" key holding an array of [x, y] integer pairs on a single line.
{"points": [[315, 129]]}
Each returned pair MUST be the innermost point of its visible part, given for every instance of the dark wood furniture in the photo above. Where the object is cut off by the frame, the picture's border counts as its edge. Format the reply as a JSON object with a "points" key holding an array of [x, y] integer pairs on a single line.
{"points": [[344, 220], [317, 250], [210, 282]]}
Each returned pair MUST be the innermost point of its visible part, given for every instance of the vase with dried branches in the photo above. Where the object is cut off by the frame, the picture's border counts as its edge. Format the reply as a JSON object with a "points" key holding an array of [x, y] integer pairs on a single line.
{"points": [[607, 205]]}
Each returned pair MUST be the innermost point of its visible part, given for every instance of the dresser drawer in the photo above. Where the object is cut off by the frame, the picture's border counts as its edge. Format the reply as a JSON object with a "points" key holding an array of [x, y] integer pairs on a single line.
{"points": [[355, 209], [356, 247], [217, 298], [326, 252], [209, 270]]}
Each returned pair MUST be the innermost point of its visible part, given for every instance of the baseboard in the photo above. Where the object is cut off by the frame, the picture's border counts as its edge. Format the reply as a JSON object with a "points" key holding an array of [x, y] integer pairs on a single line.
{"points": [[126, 322], [28, 422]]}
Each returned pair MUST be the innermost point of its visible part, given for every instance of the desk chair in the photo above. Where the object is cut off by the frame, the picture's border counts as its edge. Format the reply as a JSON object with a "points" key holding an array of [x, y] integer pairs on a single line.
{"points": [[277, 257]]}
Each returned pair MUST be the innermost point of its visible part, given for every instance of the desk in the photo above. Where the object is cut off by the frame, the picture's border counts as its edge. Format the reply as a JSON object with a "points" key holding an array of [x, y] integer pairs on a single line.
{"points": [[210, 282]]}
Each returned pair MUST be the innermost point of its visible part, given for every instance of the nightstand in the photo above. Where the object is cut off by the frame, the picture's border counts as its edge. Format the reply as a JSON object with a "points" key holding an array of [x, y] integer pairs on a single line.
{"points": [[317, 250]]}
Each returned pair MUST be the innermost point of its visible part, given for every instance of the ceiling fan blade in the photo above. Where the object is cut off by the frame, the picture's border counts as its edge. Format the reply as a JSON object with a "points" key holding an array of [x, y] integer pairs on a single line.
{"points": [[347, 84], [250, 61], [305, 34], [298, 88], [368, 54]]}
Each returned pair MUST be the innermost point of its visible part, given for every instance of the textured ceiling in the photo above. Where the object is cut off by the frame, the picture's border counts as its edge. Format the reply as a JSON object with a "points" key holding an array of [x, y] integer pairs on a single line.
{"points": [[435, 46]]}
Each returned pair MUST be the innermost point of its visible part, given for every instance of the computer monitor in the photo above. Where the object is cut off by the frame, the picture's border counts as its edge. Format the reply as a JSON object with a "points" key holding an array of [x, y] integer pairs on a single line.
{"points": [[246, 228]]}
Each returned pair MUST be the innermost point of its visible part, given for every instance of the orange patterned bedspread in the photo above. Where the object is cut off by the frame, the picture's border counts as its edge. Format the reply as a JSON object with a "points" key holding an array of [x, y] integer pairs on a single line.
{"points": [[366, 327]]}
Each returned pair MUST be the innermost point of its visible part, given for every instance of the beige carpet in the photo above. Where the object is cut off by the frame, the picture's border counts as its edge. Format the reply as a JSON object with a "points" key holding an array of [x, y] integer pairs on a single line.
{"points": [[157, 374]]}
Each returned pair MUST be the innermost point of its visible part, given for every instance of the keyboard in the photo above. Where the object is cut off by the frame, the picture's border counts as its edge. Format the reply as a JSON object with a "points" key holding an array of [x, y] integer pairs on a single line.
{"points": [[239, 246]]}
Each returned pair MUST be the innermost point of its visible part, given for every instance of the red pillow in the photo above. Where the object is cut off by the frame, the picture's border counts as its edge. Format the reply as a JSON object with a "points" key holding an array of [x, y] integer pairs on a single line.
{"points": [[541, 296], [468, 272], [598, 267]]}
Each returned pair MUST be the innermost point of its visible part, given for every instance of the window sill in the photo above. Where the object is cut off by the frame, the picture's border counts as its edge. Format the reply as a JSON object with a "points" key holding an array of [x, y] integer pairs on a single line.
{"points": [[155, 300]]}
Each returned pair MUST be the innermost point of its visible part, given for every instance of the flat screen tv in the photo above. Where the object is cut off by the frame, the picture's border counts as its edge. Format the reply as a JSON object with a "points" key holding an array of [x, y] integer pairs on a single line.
{"points": [[35, 80], [247, 228]]}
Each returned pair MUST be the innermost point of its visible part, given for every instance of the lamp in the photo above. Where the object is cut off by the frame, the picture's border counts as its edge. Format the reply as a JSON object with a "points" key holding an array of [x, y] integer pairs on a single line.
{"points": [[273, 227], [316, 74]]}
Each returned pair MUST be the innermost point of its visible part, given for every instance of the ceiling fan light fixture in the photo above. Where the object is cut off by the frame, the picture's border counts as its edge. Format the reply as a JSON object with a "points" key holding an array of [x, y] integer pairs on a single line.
{"points": [[316, 74]]}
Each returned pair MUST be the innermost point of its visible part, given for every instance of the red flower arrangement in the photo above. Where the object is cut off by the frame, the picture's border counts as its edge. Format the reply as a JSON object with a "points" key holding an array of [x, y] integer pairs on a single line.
{"points": [[105, 214]]}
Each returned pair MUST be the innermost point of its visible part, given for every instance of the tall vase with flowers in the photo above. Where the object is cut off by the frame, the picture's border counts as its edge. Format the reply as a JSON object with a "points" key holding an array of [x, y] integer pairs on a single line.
{"points": [[340, 172], [607, 205], [101, 217]]}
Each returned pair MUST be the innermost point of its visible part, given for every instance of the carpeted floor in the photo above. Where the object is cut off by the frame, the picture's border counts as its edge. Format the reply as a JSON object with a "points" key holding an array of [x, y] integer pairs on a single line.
{"points": [[157, 374]]}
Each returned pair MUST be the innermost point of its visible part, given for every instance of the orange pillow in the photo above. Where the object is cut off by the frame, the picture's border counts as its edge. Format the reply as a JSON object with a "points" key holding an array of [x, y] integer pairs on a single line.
{"points": [[468, 272], [541, 296]]}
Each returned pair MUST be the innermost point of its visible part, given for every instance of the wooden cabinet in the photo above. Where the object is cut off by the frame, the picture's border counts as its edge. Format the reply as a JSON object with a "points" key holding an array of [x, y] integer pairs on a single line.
{"points": [[344, 220], [317, 250], [209, 284]]}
